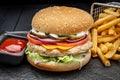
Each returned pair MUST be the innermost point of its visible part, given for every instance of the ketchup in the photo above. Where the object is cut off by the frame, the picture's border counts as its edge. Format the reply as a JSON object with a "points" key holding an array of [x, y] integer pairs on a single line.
{"points": [[13, 45]]}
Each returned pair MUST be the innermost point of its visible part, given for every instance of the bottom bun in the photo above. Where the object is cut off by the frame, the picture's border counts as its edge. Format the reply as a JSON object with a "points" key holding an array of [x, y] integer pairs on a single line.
{"points": [[60, 67]]}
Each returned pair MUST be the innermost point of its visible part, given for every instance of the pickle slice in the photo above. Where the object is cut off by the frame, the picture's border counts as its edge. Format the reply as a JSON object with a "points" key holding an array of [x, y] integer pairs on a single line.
{"points": [[58, 37], [74, 37], [40, 36]]}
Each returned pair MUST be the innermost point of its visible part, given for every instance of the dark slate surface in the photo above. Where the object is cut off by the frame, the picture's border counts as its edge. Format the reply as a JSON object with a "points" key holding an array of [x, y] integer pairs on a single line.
{"points": [[19, 18]]}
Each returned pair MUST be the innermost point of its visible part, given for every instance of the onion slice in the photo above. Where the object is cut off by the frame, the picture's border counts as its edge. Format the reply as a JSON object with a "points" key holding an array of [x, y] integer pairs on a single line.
{"points": [[45, 40], [76, 40]]}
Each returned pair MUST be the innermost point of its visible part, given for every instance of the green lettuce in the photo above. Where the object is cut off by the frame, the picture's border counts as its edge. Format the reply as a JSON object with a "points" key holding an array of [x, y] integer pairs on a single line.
{"points": [[63, 59]]}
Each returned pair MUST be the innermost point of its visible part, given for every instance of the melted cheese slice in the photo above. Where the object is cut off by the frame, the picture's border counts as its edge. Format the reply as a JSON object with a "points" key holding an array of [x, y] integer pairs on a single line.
{"points": [[56, 46]]}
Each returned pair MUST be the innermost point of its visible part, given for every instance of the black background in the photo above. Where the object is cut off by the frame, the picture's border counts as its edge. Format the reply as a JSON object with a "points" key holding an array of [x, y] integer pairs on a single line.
{"points": [[17, 2]]}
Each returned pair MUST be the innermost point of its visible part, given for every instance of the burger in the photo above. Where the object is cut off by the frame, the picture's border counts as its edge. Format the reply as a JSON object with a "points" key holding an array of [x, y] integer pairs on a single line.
{"points": [[59, 39]]}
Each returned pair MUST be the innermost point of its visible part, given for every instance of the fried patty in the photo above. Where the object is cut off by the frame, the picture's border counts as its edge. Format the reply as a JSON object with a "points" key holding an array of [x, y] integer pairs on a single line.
{"points": [[57, 52]]}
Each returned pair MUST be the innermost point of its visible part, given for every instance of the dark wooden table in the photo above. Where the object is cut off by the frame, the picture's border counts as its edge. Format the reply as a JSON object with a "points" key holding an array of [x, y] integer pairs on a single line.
{"points": [[19, 18]]}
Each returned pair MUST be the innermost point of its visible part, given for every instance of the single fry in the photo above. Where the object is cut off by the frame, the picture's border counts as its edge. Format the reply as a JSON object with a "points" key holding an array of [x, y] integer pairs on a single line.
{"points": [[105, 61], [109, 45], [105, 22], [118, 11], [116, 57], [118, 25], [107, 38], [108, 25], [111, 8], [105, 32], [103, 48], [100, 21], [111, 31], [93, 53], [111, 12], [119, 48], [102, 15], [117, 30], [94, 40], [111, 52]]}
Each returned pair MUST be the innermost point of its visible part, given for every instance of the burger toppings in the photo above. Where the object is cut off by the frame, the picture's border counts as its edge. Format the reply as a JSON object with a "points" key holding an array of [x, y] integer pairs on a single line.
{"points": [[59, 37], [40, 34], [60, 44], [62, 59], [56, 46], [54, 36], [54, 52], [45, 40], [80, 42]]}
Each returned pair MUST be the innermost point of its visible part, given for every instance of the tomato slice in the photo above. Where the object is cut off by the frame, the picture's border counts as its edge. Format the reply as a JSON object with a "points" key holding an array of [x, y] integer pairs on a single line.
{"points": [[33, 40], [73, 44]]}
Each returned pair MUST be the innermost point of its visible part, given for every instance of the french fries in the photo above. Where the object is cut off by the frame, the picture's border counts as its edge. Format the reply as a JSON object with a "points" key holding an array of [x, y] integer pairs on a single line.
{"points": [[106, 18], [108, 25], [106, 36], [108, 11], [110, 53], [101, 15]]}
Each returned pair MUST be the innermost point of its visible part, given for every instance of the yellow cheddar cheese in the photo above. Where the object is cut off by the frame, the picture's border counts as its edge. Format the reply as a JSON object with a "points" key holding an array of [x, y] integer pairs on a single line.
{"points": [[56, 46]]}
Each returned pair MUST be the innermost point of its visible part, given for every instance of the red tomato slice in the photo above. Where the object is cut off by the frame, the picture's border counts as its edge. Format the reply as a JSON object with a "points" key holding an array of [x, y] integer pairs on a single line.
{"points": [[33, 40]]}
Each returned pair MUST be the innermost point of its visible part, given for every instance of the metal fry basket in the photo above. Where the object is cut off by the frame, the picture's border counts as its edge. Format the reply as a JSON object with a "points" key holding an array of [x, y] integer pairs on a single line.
{"points": [[97, 8]]}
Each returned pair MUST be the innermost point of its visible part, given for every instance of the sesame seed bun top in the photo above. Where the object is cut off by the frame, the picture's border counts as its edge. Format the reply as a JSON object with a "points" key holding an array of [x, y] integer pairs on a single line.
{"points": [[62, 20]]}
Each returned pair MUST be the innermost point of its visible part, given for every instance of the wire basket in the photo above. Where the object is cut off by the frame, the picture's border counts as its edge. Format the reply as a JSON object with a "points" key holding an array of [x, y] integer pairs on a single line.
{"points": [[97, 8]]}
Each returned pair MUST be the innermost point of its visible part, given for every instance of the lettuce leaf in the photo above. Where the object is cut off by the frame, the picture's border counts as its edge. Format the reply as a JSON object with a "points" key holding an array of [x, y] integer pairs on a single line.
{"points": [[63, 59]]}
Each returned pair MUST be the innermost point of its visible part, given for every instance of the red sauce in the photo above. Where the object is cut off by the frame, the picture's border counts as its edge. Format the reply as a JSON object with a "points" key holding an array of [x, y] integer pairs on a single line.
{"points": [[13, 45]]}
